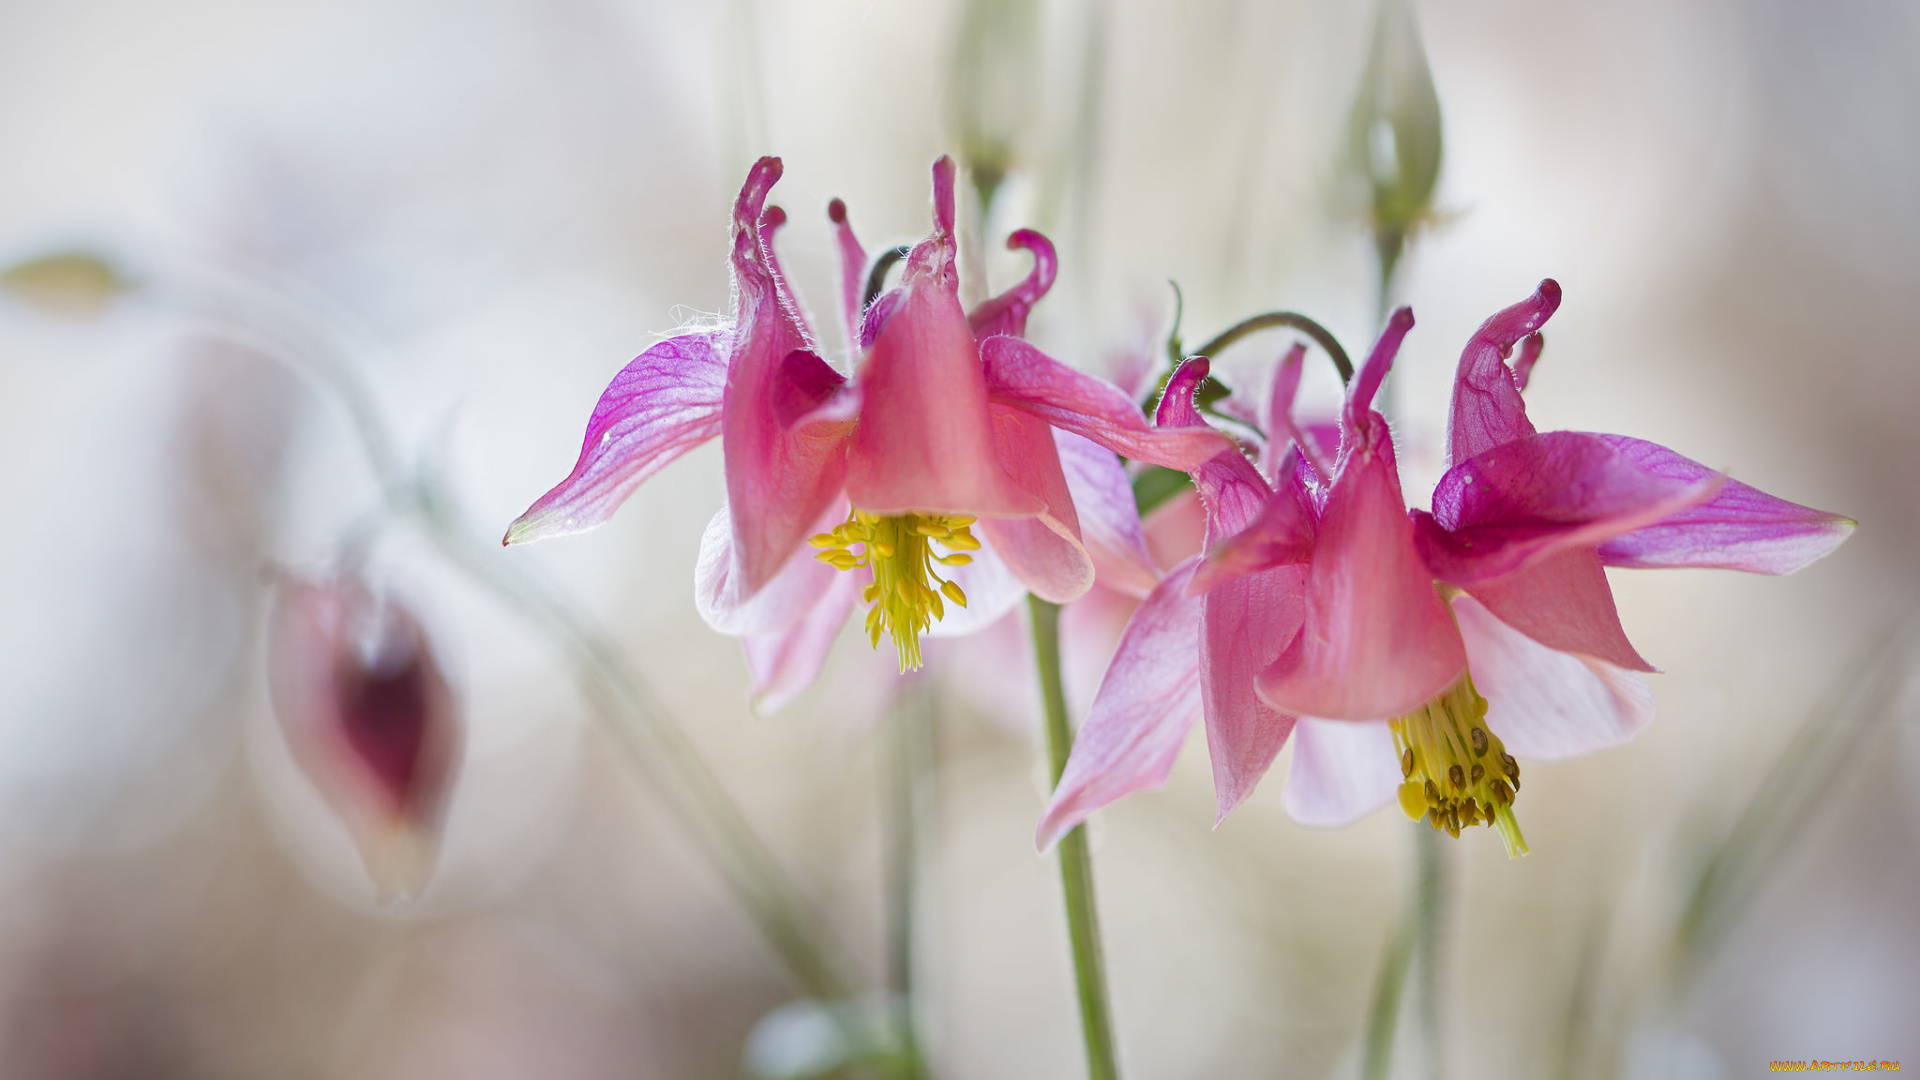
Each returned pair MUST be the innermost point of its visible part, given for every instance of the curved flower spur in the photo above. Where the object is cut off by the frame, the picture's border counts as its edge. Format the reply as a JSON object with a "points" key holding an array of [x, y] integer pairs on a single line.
{"points": [[1422, 651], [956, 466]]}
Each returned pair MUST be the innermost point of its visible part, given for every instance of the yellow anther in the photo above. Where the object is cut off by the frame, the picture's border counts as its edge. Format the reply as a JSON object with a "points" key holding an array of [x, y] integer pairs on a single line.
{"points": [[1441, 746], [905, 593]]}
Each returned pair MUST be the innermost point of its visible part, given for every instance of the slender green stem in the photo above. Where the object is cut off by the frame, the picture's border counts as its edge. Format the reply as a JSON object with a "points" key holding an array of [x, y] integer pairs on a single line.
{"points": [[1274, 320], [906, 775], [1383, 1019], [877, 273], [1076, 863], [1430, 889]]}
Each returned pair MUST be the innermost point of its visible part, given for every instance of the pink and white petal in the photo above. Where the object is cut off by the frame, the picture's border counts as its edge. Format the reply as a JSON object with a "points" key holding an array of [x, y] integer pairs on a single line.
{"points": [[1512, 505], [664, 403], [1378, 641], [727, 606], [1044, 551], [992, 591], [1739, 528], [1007, 313], [853, 271], [1141, 714], [1563, 602], [779, 476], [1109, 517], [1546, 704], [1176, 530], [1026, 378], [1342, 771], [785, 662], [1245, 623], [1487, 408]]}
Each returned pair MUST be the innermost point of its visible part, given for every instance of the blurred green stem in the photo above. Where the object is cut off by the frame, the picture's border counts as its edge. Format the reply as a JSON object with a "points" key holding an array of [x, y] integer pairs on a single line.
{"points": [[1431, 907], [1383, 1019], [907, 776], [1076, 863]]}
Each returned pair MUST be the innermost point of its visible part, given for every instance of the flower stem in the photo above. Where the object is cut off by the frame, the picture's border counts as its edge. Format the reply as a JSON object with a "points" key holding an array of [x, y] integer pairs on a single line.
{"points": [[1076, 863], [1430, 908], [1376, 1047], [1274, 320], [906, 776]]}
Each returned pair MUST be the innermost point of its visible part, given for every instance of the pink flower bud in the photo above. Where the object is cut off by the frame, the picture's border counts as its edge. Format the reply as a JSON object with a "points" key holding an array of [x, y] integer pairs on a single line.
{"points": [[371, 721]]}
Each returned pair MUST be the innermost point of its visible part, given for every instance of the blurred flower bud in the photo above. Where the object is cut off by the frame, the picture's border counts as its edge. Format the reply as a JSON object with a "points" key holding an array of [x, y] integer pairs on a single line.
{"points": [[1393, 133], [66, 282], [371, 721], [994, 86]]}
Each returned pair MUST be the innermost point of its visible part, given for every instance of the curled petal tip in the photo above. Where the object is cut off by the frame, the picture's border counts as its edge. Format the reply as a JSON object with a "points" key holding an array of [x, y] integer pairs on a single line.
{"points": [[1548, 291], [943, 211], [837, 211]]}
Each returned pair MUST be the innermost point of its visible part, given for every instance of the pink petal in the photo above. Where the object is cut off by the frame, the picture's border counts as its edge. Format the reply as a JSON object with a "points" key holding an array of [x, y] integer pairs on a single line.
{"points": [[1563, 602], [1232, 490], [786, 598], [781, 474], [1007, 313], [1342, 771], [1141, 714], [853, 269], [664, 403], [1245, 623], [1109, 518], [1529, 355], [1026, 378], [1546, 704], [1513, 505], [925, 442], [1176, 530], [1377, 640], [1044, 551], [1283, 533], [1740, 528], [785, 662], [1487, 409], [1277, 421]]}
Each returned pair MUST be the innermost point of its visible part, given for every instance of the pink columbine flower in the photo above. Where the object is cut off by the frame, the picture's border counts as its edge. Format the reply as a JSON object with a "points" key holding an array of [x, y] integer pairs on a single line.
{"points": [[1423, 651], [371, 721], [949, 424]]}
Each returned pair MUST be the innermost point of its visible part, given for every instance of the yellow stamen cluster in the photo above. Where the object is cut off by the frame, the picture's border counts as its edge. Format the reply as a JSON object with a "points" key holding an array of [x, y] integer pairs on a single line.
{"points": [[905, 591], [1457, 772]]}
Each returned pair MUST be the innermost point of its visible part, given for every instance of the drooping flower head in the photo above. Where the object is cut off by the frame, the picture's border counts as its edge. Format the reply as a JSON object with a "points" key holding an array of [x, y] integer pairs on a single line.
{"points": [[370, 719], [872, 486], [1429, 651]]}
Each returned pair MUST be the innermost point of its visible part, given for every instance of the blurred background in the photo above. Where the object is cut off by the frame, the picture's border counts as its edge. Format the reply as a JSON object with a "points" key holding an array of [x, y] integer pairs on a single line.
{"points": [[491, 206]]}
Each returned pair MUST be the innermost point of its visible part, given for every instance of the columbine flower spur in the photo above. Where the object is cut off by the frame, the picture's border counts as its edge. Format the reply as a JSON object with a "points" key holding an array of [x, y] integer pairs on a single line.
{"points": [[956, 460], [1415, 654]]}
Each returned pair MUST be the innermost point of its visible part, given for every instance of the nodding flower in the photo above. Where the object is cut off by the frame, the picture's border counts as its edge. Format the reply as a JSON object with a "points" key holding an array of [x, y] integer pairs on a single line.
{"points": [[370, 719], [1416, 654], [952, 468]]}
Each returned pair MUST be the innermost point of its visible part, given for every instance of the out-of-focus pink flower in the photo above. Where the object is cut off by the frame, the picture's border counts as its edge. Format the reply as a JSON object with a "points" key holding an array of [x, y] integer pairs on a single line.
{"points": [[371, 721], [1403, 622], [950, 422]]}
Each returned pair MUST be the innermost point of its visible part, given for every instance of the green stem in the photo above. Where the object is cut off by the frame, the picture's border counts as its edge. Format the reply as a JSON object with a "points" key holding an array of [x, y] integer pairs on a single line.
{"points": [[1076, 863], [906, 776], [1383, 1018], [1274, 320], [1430, 890]]}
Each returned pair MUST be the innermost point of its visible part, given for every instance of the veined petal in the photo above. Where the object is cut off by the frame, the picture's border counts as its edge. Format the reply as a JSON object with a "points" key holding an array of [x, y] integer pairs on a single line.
{"points": [[1026, 378], [1342, 771], [1277, 421], [785, 662], [1044, 551], [1283, 533], [1512, 505], [1739, 528], [1232, 490], [664, 403], [1007, 313], [1546, 704], [1109, 517], [785, 599], [1377, 640], [1487, 409], [1141, 714], [1563, 602], [853, 271], [925, 441], [780, 474], [1245, 623]]}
